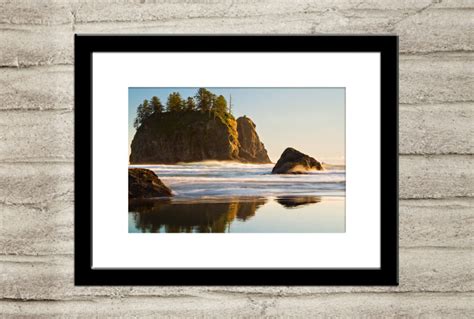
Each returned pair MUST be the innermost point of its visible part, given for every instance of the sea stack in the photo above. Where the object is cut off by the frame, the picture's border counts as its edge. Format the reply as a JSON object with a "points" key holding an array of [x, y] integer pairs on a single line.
{"points": [[193, 136], [143, 183], [251, 148], [294, 162]]}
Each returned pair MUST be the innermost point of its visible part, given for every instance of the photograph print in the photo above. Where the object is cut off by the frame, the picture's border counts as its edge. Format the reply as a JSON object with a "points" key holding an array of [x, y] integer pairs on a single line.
{"points": [[236, 160]]}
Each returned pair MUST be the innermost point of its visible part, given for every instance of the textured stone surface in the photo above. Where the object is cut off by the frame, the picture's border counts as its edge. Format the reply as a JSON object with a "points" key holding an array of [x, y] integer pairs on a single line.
{"points": [[251, 147], [292, 161], [193, 136], [240, 305], [40, 32], [143, 183], [51, 277], [36, 157]]}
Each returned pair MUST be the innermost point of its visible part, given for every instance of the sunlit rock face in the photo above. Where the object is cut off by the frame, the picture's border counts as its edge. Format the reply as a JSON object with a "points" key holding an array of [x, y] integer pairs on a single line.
{"points": [[192, 136], [251, 148]]}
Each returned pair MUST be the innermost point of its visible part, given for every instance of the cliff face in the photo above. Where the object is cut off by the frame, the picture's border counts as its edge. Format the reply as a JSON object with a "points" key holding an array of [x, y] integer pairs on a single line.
{"points": [[168, 138], [251, 148]]}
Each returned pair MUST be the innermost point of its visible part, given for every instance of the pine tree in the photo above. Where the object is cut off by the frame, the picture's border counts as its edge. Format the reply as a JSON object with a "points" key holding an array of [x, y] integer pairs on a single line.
{"points": [[204, 100], [138, 118], [156, 105], [144, 111], [190, 104], [175, 103], [147, 107], [220, 105]]}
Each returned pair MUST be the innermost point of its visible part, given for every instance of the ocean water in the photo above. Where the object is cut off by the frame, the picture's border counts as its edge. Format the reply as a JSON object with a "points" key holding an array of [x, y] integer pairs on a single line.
{"points": [[245, 198]]}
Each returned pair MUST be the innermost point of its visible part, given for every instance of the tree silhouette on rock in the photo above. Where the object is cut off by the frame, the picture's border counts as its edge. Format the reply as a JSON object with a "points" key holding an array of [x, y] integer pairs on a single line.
{"points": [[190, 105], [144, 111], [203, 101], [219, 105], [156, 105], [175, 103]]}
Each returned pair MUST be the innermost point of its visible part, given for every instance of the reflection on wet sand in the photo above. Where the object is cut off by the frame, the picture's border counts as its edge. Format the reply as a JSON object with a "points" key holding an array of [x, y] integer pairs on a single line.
{"points": [[295, 201], [192, 216], [204, 216]]}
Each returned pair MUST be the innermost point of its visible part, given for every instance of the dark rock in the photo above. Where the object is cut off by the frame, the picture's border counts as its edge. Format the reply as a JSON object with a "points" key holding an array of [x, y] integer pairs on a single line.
{"points": [[192, 136], [143, 183], [297, 201], [251, 148], [169, 138], [295, 162]]}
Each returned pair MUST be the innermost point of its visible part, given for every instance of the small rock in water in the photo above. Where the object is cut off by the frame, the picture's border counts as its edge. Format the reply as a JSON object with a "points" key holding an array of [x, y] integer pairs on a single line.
{"points": [[295, 162]]}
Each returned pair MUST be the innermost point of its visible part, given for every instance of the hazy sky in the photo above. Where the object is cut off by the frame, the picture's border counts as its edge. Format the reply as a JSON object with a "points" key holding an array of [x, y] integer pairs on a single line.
{"points": [[312, 120]]}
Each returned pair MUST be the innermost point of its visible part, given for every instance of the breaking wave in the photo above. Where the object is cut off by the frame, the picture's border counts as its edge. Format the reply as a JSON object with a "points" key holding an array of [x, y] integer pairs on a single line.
{"points": [[226, 179]]}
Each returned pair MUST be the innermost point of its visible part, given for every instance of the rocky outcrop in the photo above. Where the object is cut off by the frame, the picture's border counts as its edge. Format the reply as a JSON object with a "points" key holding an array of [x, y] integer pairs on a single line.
{"points": [[294, 162], [251, 148], [143, 183], [192, 136], [169, 138]]}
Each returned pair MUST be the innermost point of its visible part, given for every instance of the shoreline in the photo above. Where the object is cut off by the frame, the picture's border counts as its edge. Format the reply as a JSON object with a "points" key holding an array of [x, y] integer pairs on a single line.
{"points": [[233, 199]]}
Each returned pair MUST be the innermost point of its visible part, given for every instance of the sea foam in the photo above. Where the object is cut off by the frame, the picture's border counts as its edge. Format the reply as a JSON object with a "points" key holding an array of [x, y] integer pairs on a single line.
{"points": [[227, 179]]}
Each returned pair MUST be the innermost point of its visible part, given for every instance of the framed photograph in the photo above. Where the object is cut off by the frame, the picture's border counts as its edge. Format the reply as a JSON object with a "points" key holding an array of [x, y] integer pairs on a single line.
{"points": [[236, 160]]}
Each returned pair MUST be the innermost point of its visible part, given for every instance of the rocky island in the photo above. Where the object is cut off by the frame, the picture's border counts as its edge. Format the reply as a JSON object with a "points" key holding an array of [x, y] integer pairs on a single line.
{"points": [[199, 128], [192, 136]]}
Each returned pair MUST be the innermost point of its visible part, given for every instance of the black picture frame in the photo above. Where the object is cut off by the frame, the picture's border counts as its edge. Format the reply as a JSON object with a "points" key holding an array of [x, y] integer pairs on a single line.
{"points": [[85, 45]]}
